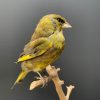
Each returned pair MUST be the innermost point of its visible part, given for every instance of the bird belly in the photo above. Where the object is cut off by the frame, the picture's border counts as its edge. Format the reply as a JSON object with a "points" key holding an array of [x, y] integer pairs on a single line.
{"points": [[39, 63]]}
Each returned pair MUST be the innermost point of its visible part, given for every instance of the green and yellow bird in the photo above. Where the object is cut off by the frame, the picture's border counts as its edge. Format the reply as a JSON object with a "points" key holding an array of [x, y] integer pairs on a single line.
{"points": [[45, 46]]}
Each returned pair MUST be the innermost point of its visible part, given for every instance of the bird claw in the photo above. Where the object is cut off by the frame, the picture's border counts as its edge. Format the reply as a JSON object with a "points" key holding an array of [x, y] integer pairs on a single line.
{"points": [[43, 80]]}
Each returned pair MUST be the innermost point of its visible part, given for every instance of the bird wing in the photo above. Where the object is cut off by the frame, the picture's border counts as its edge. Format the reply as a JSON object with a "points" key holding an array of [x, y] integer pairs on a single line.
{"points": [[35, 48]]}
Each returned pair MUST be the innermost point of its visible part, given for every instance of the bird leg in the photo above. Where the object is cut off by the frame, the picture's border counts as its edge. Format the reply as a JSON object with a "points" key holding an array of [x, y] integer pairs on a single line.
{"points": [[41, 78]]}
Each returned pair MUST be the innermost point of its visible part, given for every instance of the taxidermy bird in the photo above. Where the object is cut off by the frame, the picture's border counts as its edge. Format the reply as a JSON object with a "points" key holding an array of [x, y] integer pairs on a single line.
{"points": [[44, 47]]}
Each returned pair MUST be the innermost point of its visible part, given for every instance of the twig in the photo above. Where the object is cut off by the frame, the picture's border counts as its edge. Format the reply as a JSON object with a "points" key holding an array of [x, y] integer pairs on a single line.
{"points": [[69, 90], [53, 75]]}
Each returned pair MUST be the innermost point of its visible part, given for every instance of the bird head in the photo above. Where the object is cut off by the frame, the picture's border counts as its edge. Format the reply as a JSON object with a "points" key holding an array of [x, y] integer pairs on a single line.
{"points": [[52, 22], [59, 21]]}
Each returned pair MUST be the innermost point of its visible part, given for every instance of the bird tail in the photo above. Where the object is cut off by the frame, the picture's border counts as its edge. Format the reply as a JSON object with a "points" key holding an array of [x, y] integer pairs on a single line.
{"points": [[21, 76]]}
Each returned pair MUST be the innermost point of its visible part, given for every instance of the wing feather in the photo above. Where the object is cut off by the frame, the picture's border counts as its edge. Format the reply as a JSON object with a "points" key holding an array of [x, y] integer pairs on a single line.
{"points": [[35, 48]]}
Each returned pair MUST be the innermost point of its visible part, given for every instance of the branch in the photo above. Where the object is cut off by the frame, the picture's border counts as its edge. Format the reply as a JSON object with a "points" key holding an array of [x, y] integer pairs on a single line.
{"points": [[53, 75]]}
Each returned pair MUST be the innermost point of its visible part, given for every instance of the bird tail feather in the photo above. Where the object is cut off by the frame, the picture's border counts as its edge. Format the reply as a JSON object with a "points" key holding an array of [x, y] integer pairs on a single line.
{"points": [[21, 76]]}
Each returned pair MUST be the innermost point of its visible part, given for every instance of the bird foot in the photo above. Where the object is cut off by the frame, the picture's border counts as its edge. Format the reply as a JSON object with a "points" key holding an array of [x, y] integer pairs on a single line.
{"points": [[40, 77], [43, 80]]}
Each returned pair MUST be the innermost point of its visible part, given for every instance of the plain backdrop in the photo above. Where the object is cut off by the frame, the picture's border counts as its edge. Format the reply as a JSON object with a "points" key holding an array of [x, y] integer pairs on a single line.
{"points": [[80, 61]]}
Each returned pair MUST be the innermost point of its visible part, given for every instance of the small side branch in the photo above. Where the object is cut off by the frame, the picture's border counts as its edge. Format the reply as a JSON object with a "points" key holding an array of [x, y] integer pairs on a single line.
{"points": [[53, 75], [69, 90]]}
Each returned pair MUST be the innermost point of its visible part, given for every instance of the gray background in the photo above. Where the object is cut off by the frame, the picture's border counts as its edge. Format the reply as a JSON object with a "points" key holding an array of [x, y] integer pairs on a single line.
{"points": [[80, 61]]}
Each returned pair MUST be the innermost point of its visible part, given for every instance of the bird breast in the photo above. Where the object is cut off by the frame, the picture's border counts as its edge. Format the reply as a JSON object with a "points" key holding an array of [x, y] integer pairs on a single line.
{"points": [[57, 40]]}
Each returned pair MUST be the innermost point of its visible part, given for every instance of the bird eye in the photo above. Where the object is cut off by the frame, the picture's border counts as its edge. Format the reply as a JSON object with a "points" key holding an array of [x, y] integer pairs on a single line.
{"points": [[60, 20]]}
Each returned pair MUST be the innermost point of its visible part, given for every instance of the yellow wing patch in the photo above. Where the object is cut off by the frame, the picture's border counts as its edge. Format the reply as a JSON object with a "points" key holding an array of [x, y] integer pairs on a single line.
{"points": [[25, 57]]}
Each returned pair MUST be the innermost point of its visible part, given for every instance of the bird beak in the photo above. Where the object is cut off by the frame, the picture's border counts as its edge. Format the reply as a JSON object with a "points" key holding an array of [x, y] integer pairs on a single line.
{"points": [[66, 25]]}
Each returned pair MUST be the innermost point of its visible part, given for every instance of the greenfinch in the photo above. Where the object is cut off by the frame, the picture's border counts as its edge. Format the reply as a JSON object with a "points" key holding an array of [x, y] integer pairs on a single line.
{"points": [[45, 45]]}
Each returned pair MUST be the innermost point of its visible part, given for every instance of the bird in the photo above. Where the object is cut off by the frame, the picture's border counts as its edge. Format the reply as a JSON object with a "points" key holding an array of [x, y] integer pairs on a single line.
{"points": [[45, 46]]}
